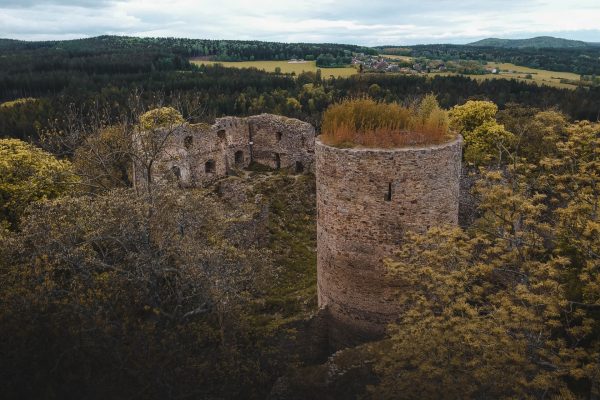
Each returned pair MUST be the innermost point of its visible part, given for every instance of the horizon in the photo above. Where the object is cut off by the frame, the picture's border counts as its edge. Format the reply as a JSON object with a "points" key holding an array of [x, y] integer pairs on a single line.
{"points": [[258, 40], [380, 22]]}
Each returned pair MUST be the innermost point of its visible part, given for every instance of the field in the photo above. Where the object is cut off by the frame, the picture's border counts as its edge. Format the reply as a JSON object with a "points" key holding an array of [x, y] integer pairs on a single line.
{"points": [[512, 71], [399, 58], [286, 67]]}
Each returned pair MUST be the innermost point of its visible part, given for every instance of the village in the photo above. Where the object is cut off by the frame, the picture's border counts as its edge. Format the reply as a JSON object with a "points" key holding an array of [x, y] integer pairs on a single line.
{"points": [[416, 66]]}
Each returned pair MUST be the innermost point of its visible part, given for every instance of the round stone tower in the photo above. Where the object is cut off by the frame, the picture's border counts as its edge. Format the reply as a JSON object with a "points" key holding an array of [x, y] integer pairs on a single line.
{"points": [[366, 200]]}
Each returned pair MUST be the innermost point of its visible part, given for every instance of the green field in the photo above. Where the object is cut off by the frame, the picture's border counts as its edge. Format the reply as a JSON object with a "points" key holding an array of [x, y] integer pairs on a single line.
{"points": [[286, 67], [511, 71]]}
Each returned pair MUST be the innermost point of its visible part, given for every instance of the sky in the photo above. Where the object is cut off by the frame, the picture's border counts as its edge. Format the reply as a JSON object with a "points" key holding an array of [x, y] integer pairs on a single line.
{"points": [[364, 22]]}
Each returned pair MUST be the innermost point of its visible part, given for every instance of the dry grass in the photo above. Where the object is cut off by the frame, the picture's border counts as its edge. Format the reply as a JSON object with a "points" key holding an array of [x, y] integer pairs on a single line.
{"points": [[367, 123]]}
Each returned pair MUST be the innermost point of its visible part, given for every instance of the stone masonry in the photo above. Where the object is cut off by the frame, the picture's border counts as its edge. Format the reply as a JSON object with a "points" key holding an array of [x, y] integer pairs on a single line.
{"points": [[197, 154], [367, 199]]}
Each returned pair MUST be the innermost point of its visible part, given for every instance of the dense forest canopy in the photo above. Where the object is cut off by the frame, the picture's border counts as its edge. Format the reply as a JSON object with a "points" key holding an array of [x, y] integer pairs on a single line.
{"points": [[101, 73], [539, 42]]}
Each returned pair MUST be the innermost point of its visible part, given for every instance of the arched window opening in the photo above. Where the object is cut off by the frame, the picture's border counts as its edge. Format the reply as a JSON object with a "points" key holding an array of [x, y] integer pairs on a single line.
{"points": [[279, 136], [176, 171], [299, 167], [188, 142], [209, 167], [388, 195], [221, 134], [239, 157]]}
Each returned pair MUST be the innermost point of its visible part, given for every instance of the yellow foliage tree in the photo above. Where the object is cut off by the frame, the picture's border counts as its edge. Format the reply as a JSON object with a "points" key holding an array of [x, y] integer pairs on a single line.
{"points": [[510, 308], [29, 174], [485, 139]]}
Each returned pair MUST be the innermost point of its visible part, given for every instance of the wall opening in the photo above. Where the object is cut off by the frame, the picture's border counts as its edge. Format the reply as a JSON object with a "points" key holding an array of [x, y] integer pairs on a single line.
{"points": [[251, 141], [221, 133], [299, 167], [176, 171], [388, 195], [277, 161], [188, 142], [279, 135], [239, 157], [209, 167]]}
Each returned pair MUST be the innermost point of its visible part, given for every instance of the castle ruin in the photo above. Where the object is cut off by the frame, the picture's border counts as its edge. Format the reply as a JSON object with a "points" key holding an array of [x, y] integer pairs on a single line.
{"points": [[367, 199], [194, 155]]}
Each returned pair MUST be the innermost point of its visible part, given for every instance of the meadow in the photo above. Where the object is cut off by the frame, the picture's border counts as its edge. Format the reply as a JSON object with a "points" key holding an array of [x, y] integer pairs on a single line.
{"points": [[512, 71], [285, 66], [524, 74]]}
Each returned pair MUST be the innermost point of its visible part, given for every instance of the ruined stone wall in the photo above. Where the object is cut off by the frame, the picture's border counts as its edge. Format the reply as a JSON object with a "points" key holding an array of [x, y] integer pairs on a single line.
{"points": [[367, 199], [282, 142], [197, 154]]}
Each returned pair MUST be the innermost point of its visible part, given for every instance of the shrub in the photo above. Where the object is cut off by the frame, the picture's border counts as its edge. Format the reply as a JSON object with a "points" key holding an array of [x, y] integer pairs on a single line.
{"points": [[367, 123]]}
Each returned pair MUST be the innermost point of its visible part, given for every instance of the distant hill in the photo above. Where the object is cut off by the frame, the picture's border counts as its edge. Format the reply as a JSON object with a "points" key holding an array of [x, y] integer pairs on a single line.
{"points": [[536, 42]]}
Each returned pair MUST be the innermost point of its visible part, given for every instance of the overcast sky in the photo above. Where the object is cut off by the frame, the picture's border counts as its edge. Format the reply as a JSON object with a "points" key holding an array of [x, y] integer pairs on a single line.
{"points": [[367, 22]]}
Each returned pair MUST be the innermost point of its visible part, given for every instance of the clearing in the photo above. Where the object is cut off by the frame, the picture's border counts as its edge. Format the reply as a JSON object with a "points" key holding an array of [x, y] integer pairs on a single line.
{"points": [[512, 71], [287, 67]]}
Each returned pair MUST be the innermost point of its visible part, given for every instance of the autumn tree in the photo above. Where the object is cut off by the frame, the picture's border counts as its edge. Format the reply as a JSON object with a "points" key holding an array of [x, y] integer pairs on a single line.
{"points": [[485, 140], [29, 174], [508, 309], [103, 298], [104, 159], [150, 139]]}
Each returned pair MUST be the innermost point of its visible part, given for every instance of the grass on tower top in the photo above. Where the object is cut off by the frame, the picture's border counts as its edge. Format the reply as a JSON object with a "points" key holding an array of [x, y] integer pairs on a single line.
{"points": [[366, 123]]}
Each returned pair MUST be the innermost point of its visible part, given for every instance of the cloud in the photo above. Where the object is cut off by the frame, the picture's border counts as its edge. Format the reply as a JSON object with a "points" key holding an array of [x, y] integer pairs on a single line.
{"points": [[41, 3], [351, 21]]}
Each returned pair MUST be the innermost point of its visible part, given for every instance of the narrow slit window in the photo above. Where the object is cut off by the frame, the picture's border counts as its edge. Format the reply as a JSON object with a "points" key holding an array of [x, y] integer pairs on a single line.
{"points": [[388, 195]]}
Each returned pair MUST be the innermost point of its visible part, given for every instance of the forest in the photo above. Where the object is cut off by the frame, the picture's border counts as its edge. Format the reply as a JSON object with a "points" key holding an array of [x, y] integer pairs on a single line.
{"points": [[583, 61], [102, 72], [109, 290]]}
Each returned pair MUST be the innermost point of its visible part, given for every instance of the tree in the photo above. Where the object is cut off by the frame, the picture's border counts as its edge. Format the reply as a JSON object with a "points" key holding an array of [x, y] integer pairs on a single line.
{"points": [[104, 160], [117, 295], [29, 174], [485, 141], [151, 138], [509, 308]]}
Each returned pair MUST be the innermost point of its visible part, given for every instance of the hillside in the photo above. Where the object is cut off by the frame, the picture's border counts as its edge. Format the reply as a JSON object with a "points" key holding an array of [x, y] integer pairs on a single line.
{"points": [[539, 42], [221, 50]]}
